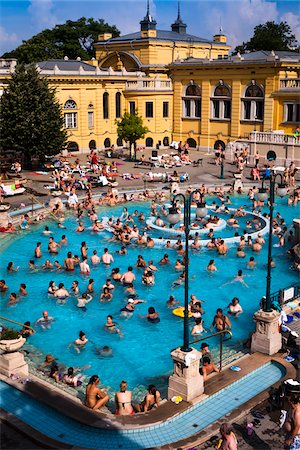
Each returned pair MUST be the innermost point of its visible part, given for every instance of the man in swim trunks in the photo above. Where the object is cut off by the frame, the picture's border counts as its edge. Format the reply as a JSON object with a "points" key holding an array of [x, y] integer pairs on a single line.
{"points": [[208, 367], [52, 246], [61, 293], [128, 277], [45, 320], [95, 258], [84, 267], [107, 258], [69, 263], [220, 322]]}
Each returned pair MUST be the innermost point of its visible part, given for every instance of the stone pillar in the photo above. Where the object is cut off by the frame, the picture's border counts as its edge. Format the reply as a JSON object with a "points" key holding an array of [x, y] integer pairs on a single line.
{"points": [[13, 363], [186, 380], [267, 337]]}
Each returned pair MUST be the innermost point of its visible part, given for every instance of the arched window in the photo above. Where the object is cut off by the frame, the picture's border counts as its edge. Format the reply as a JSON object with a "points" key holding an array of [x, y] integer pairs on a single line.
{"points": [[92, 145], [221, 102], [72, 147], [107, 143], [253, 103], [192, 143], [118, 105], [70, 118], [192, 101], [166, 141], [70, 104], [105, 105], [119, 142], [149, 142]]}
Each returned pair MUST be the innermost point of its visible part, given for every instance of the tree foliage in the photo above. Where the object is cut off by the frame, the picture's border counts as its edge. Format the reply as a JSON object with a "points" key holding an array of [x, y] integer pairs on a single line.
{"points": [[73, 39], [130, 128], [269, 36], [31, 119]]}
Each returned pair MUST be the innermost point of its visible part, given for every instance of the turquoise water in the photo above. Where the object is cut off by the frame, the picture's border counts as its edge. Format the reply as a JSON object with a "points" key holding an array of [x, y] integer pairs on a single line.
{"points": [[142, 355], [192, 421]]}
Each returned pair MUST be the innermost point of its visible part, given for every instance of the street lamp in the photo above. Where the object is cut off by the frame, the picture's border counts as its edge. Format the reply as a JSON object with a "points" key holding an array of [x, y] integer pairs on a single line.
{"points": [[174, 217], [262, 196]]}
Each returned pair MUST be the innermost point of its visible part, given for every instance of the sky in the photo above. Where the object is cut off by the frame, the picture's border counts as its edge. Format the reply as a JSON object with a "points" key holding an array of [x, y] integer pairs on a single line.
{"points": [[19, 20]]}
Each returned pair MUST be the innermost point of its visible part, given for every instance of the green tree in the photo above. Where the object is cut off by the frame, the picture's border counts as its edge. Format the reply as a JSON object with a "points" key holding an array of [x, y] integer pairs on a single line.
{"points": [[130, 128], [31, 119], [269, 36], [72, 39]]}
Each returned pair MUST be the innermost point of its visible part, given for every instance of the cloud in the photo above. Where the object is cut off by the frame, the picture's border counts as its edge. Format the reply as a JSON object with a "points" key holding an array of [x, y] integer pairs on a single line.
{"points": [[42, 15], [8, 40], [294, 23]]}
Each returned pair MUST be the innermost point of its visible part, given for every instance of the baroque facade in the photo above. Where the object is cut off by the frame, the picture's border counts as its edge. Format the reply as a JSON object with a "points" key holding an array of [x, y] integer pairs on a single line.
{"points": [[186, 88]]}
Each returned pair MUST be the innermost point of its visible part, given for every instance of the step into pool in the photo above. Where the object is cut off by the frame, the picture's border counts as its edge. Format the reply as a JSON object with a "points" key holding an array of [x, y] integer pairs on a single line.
{"points": [[59, 427]]}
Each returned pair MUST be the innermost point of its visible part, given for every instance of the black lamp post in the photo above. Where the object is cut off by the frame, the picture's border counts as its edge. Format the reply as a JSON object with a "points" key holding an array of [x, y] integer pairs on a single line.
{"points": [[174, 217], [262, 196]]}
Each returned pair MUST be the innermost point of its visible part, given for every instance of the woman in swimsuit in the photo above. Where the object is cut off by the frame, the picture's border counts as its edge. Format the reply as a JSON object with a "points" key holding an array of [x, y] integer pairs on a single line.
{"points": [[110, 326], [95, 397], [150, 400], [123, 401], [52, 288], [106, 296]]}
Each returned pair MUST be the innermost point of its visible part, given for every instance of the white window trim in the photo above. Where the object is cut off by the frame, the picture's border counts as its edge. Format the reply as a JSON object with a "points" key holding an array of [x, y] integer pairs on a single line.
{"points": [[285, 112], [221, 101], [193, 107], [90, 119], [253, 109], [70, 119]]}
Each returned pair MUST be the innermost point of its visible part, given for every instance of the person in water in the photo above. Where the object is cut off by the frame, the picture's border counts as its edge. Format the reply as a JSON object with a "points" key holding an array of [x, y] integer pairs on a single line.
{"points": [[220, 322], [45, 321], [123, 400], [234, 307], [152, 315], [80, 342], [151, 399], [95, 397], [111, 326], [83, 300]]}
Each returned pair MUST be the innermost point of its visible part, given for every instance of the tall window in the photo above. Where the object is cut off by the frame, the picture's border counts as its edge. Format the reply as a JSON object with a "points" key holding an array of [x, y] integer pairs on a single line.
{"points": [[221, 102], [149, 109], [165, 109], [105, 105], [70, 117], [118, 105], [132, 107], [91, 119], [253, 103], [192, 101], [291, 112]]}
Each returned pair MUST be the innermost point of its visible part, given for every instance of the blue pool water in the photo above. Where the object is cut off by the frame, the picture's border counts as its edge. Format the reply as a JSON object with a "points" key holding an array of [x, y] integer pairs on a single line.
{"points": [[142, 355], [192, 421]]}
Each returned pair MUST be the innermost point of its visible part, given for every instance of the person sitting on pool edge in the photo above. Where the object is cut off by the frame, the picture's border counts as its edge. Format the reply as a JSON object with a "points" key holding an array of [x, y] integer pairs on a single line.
{"points": [[95, 397], [150, 400], [123, 401]]}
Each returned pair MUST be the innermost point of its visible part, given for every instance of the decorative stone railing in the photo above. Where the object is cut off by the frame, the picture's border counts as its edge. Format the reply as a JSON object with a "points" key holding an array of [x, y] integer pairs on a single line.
{"points": [[274, 138], [290, 83], [148, 85]]}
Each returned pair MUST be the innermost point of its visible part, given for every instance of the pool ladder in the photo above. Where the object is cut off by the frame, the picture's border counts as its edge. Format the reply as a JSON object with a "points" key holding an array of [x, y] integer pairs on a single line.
{"points": [[221, 334]]}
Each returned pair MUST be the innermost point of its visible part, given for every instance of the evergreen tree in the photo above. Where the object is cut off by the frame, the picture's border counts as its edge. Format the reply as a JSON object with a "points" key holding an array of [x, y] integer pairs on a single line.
{"points": [[31, 119], [130, 128]]}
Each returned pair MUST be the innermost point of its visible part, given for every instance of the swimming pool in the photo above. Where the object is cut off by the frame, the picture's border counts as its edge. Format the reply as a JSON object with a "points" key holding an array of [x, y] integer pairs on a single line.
{"points": [[142, 355], [192, 421]]}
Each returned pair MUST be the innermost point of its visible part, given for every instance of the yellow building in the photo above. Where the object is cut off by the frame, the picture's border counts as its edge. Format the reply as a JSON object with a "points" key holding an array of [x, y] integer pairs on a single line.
{"points": [[185, 87]]}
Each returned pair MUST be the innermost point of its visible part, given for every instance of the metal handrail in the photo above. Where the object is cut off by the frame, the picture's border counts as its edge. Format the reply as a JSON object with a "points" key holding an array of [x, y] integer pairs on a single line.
{"points": [[278, 295], [17, 323], [220, 333]]}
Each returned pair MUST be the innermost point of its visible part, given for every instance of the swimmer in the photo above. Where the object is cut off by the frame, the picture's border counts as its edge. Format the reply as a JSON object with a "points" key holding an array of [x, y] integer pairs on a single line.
{"points": [[64, 240], [11, 268], [141, 263], [111, 327], [47, 265], [45, 321], [211, 266], [238, 278], [80, 342], [103, 351], [47, 231], [240, 253], [220, 322], [152, 315], [95, 258], [90, 286], [83, 301], [80, 227], [164, 260], [122, 251], [13, 299], [106, 295], [116, 275], [179, 281], [3, 286], [61, 294], [179, 265], [84, 267], [27, 331], [198, 329], [108, 285], [172, 302], [32, 266], [128, 277], [251, 263], [37, 251], [69, 263], [75, 288], [22, 289], [52, 288], [234, 307], [53, 246], [107, 258], [128, 309], [57, 266]]}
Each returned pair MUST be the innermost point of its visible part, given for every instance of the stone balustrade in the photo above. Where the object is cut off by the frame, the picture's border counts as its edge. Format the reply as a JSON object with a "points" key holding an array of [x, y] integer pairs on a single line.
{"points": [[290, 83]]}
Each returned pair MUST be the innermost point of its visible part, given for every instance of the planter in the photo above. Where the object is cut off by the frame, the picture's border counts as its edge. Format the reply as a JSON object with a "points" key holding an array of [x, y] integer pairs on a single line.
{"points": [[12, 345]]}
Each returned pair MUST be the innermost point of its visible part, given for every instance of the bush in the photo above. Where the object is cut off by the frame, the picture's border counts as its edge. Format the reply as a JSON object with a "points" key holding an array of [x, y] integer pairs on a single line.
{"points": [[8, 334]]}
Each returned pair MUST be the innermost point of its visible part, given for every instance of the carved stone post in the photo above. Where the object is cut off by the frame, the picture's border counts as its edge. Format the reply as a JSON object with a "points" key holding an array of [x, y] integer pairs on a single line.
{"points": [[267, 338]]}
